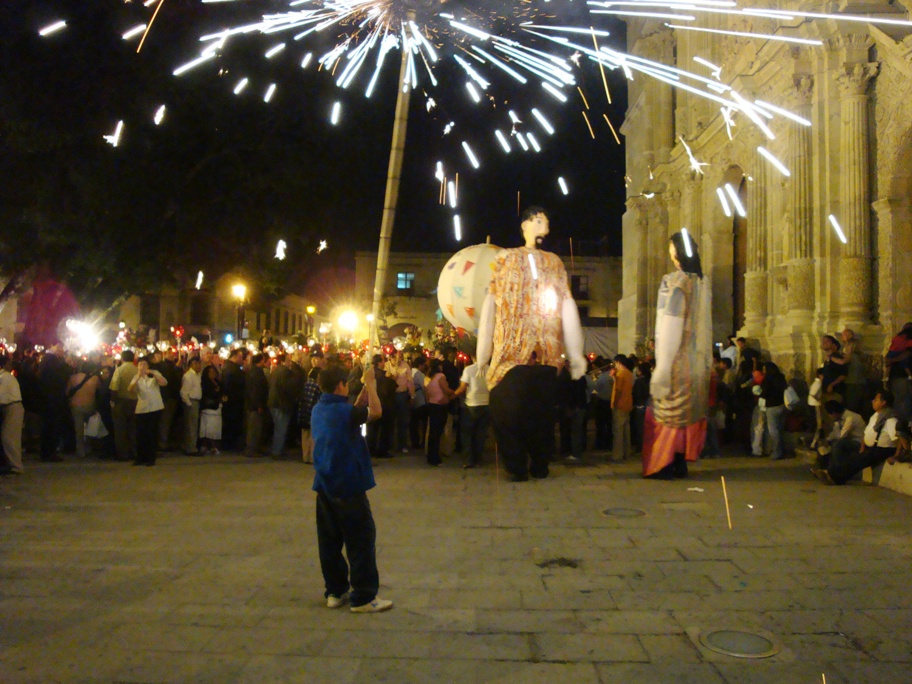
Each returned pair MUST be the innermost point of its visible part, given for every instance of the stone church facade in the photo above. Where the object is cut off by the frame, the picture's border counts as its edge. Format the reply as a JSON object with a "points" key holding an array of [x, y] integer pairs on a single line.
{"points": [[781, 277]]}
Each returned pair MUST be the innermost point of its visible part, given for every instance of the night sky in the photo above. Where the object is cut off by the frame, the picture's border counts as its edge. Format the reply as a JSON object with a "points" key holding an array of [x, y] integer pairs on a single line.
{"points": [[282, 167]]}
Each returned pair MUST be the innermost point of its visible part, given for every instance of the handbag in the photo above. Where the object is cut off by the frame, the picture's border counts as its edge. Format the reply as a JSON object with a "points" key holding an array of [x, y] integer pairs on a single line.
{"points": [[95, 427]]}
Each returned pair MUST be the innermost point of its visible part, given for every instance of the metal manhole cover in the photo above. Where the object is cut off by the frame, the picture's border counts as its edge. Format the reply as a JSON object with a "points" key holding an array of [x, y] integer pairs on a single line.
{"points": [[739, 644], [624, 512]]}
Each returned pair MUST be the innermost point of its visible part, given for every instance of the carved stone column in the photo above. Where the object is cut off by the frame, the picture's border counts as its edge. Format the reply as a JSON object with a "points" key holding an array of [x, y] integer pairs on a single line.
{"points": [[893, 245], [633, 324], [801, 207], [854, 192], [756, 279], [673, 206], [659, 47]]}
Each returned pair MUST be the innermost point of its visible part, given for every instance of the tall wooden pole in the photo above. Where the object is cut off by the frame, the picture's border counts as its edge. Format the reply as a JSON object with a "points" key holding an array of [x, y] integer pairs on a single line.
{"points": [[393, 177]]}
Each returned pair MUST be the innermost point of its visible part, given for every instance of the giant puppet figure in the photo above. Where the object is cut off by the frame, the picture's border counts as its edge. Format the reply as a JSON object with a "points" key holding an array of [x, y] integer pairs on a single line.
{"points": [[676, 423], [529, 322]]}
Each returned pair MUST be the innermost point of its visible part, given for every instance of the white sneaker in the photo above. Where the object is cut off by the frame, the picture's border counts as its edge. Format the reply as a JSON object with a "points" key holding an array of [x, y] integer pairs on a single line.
{"points": [[378, 605], [336, 601]]}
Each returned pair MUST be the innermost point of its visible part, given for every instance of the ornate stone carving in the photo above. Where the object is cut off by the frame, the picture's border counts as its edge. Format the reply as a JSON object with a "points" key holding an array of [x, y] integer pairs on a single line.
{"points": [[855, 288], [755, 297], [804, 89], [850, 45], [801, 285], [855, 78]]}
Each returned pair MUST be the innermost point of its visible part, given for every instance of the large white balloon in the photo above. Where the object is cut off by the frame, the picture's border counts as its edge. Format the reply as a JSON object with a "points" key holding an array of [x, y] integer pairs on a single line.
{"points": [[464, 283]]}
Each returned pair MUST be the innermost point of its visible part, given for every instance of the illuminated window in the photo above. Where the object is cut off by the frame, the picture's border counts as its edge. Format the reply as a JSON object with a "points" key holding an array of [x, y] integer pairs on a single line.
{"points": [[405, 281]]}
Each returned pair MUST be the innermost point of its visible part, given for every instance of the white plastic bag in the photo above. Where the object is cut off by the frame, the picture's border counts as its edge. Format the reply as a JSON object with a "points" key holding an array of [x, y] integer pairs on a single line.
{"points": [[95, 427]]}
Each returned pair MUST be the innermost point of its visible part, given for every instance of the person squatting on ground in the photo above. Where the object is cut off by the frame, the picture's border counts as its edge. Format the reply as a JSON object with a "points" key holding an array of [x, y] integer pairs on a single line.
{"points": [[680, 382], [844, 440], [882, 441], [343, 475], [528, 313]]}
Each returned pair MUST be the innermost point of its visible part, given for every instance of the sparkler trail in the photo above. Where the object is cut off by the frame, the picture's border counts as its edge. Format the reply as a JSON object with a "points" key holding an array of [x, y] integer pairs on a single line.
{"points": [[523, 46]]}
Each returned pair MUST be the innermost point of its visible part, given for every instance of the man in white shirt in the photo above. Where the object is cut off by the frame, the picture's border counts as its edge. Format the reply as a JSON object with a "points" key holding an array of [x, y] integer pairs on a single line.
{"points": [[881, 442], [475, 418], [730, 352], [191, 393], [846, 437], [13, 415]]}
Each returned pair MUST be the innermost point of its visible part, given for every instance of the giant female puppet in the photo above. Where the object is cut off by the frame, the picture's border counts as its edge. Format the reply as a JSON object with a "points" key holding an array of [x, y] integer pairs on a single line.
{"points": [[529, 321], [680, 382]]}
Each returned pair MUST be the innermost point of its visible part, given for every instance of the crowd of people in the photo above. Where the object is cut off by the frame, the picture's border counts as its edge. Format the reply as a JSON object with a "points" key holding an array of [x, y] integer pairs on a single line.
{"points": [[134, 408]]}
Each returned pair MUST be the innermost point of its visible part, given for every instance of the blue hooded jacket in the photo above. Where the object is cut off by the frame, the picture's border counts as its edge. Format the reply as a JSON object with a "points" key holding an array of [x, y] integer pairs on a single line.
{"points": [[341, 459]]}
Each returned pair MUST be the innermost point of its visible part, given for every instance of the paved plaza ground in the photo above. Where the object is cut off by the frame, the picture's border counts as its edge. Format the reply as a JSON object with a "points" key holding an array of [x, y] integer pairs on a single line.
{"points": [[206, 570]]}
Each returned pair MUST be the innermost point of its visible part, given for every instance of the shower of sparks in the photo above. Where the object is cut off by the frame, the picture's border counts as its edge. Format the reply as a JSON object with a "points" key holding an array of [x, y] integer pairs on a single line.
{"points": [[695, 166], [489, 48], [199, 280], [322, 247], [135, 31], [457, 228], [142, 41], [724, 202], [838, 229], [160, 115], [588, 125], [502, 140], [736, 201], [563, 185], [114, 139], [716, 70], [473, 160], [774, 161], [613, 132], [52, 28], [451, 194], [281, 246], [687, 247]]}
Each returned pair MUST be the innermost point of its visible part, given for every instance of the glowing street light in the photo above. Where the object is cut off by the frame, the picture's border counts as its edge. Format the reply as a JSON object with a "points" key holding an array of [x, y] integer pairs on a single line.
{"points": [[240, 293], [348, 321]]}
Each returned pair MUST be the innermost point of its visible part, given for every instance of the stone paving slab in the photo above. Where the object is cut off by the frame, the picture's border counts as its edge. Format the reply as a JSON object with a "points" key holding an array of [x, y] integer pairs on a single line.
{"points": [[206, 570]]}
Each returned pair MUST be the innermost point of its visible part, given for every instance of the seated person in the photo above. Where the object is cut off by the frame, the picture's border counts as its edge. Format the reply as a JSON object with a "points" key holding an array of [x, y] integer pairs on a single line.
{"points": [[846, 437], [881, 443]]}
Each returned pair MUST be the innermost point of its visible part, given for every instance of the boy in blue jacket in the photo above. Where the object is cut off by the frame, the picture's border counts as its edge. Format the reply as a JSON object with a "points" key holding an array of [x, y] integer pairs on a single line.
{"points": [[343, 476]]}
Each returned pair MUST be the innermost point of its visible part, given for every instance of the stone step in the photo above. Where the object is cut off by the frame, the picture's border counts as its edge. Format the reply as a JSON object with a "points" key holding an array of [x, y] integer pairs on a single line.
{"points": [[897, 477]]}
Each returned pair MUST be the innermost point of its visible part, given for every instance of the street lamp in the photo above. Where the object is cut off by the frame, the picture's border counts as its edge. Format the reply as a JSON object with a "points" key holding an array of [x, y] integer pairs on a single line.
{"points": [[240, 293], [311, 310]]}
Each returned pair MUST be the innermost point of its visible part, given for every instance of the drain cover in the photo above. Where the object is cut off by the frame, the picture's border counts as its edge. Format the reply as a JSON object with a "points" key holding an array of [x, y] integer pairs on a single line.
{"points": [[739, 644], [624, 512]]}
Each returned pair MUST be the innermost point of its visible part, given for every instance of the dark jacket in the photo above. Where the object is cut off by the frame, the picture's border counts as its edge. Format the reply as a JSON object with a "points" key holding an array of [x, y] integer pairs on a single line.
{"points": [[256, 389], [772, 389], [342, 462], [212, 394], [233, 382]]}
